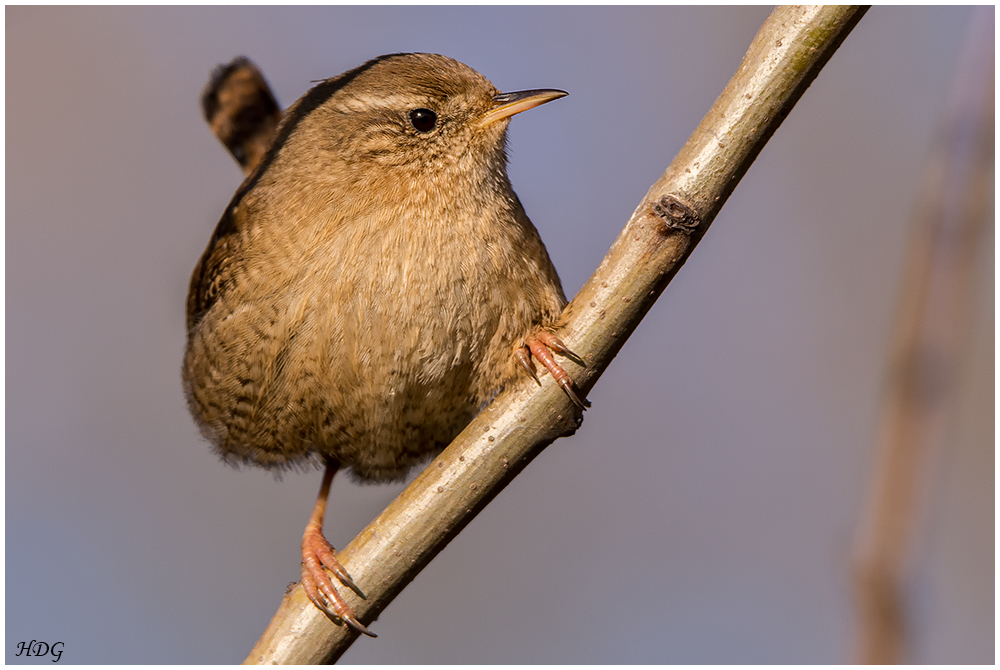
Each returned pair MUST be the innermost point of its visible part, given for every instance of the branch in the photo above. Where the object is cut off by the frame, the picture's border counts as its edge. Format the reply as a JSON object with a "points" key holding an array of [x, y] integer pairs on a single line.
{"points": [[931, 324], [785, 56]]}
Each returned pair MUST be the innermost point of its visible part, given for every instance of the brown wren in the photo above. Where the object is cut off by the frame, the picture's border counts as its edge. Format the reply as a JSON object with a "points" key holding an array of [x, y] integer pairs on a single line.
{"points": [[373, 283]]}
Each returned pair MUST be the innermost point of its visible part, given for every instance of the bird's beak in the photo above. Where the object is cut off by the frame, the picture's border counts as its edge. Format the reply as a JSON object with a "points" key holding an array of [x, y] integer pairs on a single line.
{"points": [[509, 104]]}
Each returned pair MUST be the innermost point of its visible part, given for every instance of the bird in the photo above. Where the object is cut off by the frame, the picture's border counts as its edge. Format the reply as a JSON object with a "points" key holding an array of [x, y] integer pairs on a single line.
{"points": [[373, 283]]}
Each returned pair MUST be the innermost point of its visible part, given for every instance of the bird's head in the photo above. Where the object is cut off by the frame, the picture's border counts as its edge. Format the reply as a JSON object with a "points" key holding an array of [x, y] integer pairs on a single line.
{"points": [[403, 116]]}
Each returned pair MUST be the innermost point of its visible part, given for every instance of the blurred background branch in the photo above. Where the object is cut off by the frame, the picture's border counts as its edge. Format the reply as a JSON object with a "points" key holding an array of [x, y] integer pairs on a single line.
{"points": [[931, 332], [787, 53]]}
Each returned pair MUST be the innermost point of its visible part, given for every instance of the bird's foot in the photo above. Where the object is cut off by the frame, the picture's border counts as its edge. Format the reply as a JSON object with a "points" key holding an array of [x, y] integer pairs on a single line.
{"points": [[541, 345], [318, 557]]}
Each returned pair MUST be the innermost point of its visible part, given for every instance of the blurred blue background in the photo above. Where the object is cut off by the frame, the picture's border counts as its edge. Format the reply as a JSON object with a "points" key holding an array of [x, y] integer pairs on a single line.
{"points": [[706, 510]]}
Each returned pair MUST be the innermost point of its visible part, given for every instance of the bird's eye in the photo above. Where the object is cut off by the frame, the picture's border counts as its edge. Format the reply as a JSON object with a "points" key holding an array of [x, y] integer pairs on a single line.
{"points": [[423, 119]]}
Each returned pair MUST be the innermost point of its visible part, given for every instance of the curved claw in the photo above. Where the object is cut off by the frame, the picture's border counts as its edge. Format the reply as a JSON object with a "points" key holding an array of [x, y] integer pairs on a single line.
{"points": [[524, 356], [324, 552], [559, 347], [358, 627], [328, 607], [346, 580], [567, 386]]}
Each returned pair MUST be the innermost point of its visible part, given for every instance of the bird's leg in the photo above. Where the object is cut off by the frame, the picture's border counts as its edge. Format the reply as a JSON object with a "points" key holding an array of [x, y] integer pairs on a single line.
{"points": [[317, 554], [541, 345]]}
